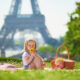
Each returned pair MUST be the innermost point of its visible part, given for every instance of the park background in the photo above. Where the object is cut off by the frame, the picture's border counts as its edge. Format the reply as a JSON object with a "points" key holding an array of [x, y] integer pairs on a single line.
{"points": [[63, 21]]}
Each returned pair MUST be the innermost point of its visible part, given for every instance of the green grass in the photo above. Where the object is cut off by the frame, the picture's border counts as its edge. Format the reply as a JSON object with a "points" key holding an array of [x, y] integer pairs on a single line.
{"points": [[77, 65], [38, 74]]}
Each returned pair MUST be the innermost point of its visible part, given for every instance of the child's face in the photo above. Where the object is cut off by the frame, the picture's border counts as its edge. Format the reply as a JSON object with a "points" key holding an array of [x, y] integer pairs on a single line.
{"points": [[30, 45]]}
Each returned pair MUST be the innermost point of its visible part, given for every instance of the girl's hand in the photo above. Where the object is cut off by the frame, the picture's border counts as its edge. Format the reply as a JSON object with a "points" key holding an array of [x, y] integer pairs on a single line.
{"points": [[33, 54], [44, 64], [32, 51]]}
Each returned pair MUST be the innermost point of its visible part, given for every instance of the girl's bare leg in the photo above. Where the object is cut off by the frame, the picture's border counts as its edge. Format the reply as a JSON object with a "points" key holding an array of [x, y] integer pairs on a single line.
{"points": [[37, 63]]}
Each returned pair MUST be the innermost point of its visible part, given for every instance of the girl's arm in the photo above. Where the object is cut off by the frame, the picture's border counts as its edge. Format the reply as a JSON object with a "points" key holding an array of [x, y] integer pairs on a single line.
{"points": [[28, 59], [38, 57]]}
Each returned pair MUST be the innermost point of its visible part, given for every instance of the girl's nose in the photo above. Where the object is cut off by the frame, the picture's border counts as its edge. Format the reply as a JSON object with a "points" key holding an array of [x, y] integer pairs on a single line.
{"points": [[31, 46]]}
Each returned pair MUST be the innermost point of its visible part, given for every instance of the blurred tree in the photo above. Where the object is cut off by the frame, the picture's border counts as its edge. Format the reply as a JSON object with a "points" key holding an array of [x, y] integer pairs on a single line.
{"points": [[46, 49], [72, 37]]}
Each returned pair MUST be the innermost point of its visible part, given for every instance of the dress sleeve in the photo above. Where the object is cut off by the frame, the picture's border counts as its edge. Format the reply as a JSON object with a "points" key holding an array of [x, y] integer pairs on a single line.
{"points": [[25, 54], [25, 57]]}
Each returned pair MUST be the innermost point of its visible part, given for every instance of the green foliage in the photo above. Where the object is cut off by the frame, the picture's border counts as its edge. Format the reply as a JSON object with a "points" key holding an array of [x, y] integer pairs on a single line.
{"points": [[72, 37], [46, 49], [10, 59]]}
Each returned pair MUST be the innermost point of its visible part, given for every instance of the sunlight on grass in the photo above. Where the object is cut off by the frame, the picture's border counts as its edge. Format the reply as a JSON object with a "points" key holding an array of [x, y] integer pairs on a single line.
{"points": [[40, 75]]}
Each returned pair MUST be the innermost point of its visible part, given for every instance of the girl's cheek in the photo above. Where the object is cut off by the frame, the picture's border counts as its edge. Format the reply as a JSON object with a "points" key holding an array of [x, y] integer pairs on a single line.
{"points": [[28, 48]]}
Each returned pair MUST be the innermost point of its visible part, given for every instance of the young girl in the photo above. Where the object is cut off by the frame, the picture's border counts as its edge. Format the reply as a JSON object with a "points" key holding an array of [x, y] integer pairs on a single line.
{"points": [[30, 58]]}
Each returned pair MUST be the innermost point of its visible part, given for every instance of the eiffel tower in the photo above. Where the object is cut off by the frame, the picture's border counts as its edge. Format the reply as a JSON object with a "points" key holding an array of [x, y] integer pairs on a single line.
{"points": [[16, 21]]}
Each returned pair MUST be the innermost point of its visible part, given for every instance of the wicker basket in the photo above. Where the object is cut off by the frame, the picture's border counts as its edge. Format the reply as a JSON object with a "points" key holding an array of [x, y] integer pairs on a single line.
{"points": [[68, 64]]}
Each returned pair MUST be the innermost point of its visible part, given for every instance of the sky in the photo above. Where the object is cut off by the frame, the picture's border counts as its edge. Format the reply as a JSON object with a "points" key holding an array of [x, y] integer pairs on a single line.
{"points": [[55, 12]]}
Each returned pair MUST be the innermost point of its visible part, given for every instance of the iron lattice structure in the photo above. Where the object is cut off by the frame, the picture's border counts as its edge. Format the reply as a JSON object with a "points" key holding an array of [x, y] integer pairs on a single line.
{"points": [[16, 21]]}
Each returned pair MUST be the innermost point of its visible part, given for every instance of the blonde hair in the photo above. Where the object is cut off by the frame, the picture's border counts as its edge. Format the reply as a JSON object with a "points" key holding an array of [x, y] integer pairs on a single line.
{"points": [[26, 44]]}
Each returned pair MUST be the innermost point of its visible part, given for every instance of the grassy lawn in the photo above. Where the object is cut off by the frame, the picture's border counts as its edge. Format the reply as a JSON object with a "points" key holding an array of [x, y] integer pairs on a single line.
{"points": [[39, 74]]}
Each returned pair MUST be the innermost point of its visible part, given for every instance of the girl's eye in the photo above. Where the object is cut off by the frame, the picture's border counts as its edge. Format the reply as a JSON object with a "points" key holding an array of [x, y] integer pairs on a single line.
{"points": [[31, 45]]}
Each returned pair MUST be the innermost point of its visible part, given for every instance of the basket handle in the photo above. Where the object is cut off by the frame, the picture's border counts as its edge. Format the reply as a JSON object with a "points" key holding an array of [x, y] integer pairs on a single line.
{"points": [[65, 48]]}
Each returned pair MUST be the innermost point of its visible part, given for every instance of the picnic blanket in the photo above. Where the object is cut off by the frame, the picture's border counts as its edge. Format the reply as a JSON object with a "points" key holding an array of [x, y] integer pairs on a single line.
{"points": [[6, 66]]}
